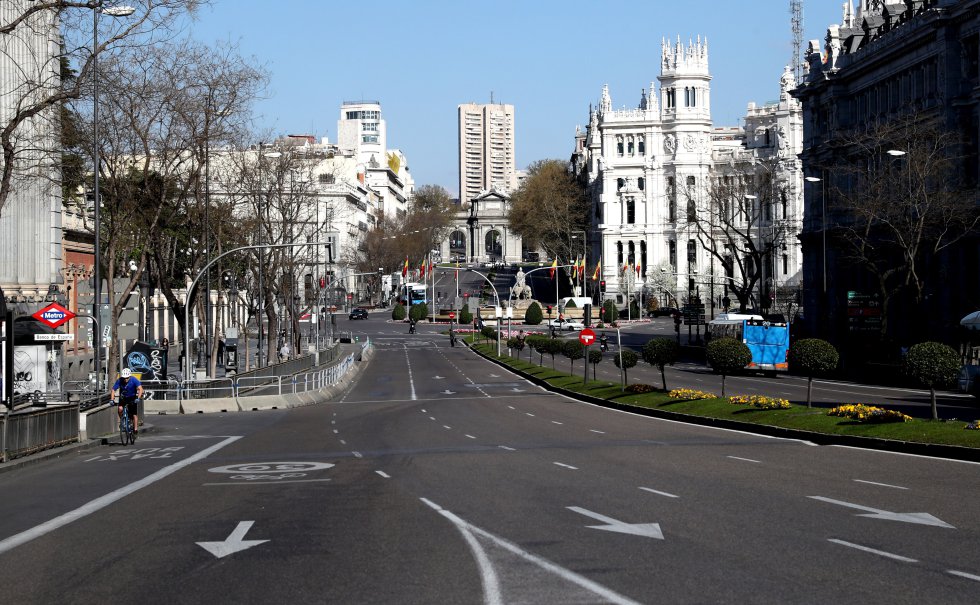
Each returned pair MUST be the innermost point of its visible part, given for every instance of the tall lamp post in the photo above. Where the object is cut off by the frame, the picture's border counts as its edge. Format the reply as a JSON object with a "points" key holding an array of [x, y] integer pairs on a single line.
{"points": [[823, 227], [112, 11]]}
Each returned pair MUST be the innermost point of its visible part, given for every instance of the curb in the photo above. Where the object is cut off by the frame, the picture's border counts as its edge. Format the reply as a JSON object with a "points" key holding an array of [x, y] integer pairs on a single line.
{"points": [[60, 451], [932, 450]]}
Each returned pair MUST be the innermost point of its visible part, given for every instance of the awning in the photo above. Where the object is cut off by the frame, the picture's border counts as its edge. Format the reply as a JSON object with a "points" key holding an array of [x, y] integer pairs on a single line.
{"points": [[971, 321]]}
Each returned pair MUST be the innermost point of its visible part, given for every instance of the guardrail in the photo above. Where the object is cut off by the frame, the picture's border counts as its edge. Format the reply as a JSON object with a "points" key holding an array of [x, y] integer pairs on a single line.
{"points": [[29, 431]]}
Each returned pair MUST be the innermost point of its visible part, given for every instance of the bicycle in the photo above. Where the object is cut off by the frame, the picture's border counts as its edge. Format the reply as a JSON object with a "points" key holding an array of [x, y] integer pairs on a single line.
{"points": [[127, 432]]}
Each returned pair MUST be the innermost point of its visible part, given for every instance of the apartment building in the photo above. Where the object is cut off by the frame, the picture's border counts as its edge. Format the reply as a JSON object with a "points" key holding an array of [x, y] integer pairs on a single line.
{"points": [[486, 149]]}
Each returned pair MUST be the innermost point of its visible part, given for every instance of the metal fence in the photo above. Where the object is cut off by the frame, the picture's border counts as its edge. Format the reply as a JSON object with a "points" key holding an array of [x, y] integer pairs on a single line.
{"points": [[28, 431], [103, 422]]}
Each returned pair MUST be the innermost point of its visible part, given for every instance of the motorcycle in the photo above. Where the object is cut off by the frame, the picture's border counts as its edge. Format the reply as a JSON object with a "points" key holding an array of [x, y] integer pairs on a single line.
{"points": [[603, 345], [411, 328]]}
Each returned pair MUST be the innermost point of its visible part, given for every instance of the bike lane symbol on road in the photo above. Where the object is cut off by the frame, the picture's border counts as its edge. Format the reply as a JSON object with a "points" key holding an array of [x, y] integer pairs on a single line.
{"points": [[259, 473]]}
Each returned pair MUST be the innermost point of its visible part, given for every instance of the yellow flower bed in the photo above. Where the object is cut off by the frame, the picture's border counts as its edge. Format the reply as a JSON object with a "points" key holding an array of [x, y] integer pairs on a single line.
{"points": [[760, 401], [690, 394], [868, 413]]}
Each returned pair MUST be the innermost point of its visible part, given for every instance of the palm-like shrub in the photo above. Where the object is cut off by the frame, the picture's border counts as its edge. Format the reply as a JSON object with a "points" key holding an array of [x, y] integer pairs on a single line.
{"points": [[609, 312], [572, 349], [533, 315], [660, 352], [540, 345], [398, 313], [595, 356], [465, 316], [727, 355], [934, 365], [552, 347], [812, 357], [489, 333], [418, 312], [625, 359]]}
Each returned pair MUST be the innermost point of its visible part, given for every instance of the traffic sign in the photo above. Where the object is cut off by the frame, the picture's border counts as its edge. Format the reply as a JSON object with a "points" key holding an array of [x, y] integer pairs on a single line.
{"points": [[53, 315], [452, 316], [586, 336], [48, 337]]}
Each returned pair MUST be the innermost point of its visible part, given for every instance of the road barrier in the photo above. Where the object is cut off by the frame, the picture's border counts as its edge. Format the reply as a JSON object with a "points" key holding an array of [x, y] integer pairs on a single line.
{"points": [[103, 422], [29, 431]]}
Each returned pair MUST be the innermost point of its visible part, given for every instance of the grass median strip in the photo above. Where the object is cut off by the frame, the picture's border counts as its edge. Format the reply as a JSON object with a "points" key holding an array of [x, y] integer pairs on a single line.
{"points": [[796, 417]]}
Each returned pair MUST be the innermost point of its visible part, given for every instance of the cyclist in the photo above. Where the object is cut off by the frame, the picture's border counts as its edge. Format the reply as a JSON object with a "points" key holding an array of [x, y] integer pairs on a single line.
{"points": [[128, 389]]}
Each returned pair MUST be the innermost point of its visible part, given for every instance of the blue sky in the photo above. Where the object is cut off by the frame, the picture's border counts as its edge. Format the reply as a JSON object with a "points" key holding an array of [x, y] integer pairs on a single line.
{"points": [[422, 58]]}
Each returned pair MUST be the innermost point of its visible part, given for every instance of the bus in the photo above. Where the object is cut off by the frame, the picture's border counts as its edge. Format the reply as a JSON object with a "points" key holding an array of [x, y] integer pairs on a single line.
{"points": [[768, 341], [416, 293]]}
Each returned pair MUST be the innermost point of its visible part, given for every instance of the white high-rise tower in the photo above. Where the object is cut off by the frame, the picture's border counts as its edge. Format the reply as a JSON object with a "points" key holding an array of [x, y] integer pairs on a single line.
{"points": [[486, 149]]}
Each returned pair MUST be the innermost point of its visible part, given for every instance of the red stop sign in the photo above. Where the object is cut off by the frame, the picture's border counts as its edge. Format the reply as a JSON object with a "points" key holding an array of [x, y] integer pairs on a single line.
{"points": [[586, 337], [452, 316]]}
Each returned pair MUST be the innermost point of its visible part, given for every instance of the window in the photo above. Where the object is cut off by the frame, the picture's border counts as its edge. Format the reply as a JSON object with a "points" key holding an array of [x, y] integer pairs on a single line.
{"points": [[326, 179], [369, 138], [692, 253], [670, 99], [690, 98], [784, 203], [671, 200], [629, 146], [641, 146], [632, 254], [672, 253], [640, 182], [619, 253], [643, 257], [785, 264], [619, 184], [369, 126], [630, 211], [692, 207], [619, 145]]}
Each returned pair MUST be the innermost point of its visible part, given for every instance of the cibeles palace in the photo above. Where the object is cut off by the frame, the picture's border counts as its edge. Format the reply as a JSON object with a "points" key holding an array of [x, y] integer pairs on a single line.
{"points": [[650, 170]]}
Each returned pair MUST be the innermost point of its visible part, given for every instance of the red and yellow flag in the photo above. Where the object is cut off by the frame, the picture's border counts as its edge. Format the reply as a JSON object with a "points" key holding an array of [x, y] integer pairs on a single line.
{"points": [[638, 271], [595, 274], [405, 268], [554, 267], [422, 271], [581, 267]]}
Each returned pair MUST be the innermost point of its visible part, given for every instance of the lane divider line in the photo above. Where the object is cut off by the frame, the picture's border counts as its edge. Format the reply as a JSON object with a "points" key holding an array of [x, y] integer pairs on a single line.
{"points": [[384, 474], [744, 459], [110, 498], [659, 493], [873, 551], [879, 484], [568, 466]]}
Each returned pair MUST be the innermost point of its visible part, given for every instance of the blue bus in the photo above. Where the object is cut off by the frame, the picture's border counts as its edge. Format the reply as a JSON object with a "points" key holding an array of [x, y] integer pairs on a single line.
{"points": [[768, 341], [416, 294]]}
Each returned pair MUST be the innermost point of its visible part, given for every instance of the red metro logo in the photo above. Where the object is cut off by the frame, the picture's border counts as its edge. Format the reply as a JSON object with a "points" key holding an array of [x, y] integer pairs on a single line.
{"points": [[53, 315]]}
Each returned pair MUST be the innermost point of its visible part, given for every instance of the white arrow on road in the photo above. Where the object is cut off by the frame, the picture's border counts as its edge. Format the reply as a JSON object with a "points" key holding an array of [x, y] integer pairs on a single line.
{"points": [[233, 543], [438, 377], [920, 518], [649, 530]]}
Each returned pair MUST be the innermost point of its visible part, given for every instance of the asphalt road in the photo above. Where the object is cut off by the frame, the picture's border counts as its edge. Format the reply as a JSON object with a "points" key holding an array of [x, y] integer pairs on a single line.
{"points": [[441, 478]]}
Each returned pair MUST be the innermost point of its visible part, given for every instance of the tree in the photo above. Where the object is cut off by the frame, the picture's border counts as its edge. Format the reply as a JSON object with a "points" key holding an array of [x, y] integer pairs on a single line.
{"points": [[609, 311], [517, 344], [595, 356], [553, 347], [533, 315], [934, 365], [465, 316], [660, 352], [726, 356], [572, 349], [39, 90], [549, 208], [812, 356], [900, 203], [625, 359], [398, 312], [539, 344]]}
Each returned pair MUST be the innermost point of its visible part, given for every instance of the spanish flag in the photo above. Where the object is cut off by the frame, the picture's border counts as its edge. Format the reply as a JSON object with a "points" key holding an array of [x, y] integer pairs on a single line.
{"points": [[422, 271], [405, 268], [554, 267], [638, 271], [581, 267], [595, 274]]}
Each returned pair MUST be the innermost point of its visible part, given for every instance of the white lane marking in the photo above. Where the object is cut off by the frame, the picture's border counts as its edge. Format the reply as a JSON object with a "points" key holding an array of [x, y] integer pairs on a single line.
{"points": [[424, 412], [556, 422], [278, 482], [511, 407], [104, 501], [648, 530], [600, 432], [384, 474], [568, 466], [357, 454], [342, 442], [471, 437], [335, 431], [529, 414], [235, 542], [873, 551], [745, 459], [447, 427], [861, 449], [411, 381], [879, 484], [963, 574], [659, 493], [333, 422], [874, 513], [509, 449], [432, 417], [492, 596]]}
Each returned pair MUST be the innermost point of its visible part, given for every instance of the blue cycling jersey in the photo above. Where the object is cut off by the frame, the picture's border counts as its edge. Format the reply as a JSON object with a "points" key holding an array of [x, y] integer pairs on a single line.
{"points": [[128, 389]]}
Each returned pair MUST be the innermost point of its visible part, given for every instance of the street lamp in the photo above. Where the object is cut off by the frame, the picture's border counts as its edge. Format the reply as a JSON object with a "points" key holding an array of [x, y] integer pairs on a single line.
{"points": [[112, 11]]}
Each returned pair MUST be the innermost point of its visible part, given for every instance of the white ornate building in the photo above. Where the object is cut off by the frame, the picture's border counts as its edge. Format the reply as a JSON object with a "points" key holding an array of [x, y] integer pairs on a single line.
{"points": [[652, 172]]}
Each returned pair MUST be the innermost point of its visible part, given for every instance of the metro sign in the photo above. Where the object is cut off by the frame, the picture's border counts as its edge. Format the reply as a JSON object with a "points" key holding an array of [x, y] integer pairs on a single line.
{"points": [[586, 337], [53, 315]]}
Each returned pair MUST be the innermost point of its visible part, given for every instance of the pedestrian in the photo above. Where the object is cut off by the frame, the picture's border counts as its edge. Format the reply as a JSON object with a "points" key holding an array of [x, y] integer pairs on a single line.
{"points": [[221, 349], [284, 352]]}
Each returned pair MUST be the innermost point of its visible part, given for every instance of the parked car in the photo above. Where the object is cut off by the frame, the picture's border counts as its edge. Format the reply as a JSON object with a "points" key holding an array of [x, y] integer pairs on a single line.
{"points": [[358, 313], [663, 312], [567, 324]]}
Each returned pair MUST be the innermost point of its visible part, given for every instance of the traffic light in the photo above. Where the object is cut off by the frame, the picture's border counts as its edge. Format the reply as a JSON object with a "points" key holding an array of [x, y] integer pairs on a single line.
{"points": [[549, 309], [602, 285]]}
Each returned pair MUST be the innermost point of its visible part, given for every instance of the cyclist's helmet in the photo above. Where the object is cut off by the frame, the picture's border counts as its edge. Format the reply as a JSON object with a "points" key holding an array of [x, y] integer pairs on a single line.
{"points": [[126, 373]]}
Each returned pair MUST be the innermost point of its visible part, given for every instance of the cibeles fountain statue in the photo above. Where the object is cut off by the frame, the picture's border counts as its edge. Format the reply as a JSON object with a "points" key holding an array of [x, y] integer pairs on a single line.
{"points": [[521, 291]]}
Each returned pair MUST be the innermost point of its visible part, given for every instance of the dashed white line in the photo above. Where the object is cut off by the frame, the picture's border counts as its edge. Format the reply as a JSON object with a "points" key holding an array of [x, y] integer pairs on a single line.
{"points": [[384, 474], [529, 414], [879, 484], [512, 407], [659, 493], [447, 427], [874, 551], [342, 442], [509, 449], [357, 454], [963, 574], [568, 466], [471, 437], [556, 422], [745, 459], [335, 431], [600, 432], [432, 417]]}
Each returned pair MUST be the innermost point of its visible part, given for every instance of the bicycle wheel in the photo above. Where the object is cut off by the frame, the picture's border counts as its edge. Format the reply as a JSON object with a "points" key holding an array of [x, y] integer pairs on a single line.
{"points": [[123, 429]]}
